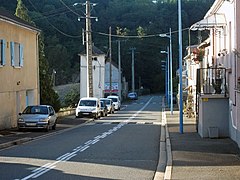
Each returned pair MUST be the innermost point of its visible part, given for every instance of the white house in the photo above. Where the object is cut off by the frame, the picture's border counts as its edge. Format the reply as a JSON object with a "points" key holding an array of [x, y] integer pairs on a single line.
{"points": [[223, 52], [98, 69]]}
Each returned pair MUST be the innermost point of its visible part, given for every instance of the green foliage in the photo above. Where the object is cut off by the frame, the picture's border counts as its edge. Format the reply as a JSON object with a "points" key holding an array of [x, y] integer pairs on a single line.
{"points": [[121, 31], [140, 31], [63, 32], [22, 12], [72, 98]]}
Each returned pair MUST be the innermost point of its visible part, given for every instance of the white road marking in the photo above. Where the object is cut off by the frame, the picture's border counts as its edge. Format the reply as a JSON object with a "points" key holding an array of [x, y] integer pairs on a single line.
{"points": [[67, 156]]}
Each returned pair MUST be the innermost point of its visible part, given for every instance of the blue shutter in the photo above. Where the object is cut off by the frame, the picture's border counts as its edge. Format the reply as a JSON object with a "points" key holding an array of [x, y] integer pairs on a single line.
{"points": [[3, 52], [12, 53], [21, 54]]}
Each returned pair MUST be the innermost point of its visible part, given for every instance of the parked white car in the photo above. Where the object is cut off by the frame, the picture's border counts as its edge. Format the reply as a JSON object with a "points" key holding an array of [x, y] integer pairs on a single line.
{"points": [[116, 102], [88, 107]]}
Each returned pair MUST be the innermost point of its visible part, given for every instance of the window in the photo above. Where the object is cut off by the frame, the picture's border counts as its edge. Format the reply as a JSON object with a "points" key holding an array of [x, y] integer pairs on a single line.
{"points": [[16, 54], [2, 52]]}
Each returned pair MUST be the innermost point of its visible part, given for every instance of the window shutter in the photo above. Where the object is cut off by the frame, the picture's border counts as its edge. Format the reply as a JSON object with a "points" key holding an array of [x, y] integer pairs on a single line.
{"points": [[21, 54], [12, 53], [3, 52]]}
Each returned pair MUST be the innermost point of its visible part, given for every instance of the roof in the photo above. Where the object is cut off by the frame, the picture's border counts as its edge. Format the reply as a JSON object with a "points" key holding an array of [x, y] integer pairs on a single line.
{"points": [[113, 63], [7, 16], [95, 52], [216, 20]]}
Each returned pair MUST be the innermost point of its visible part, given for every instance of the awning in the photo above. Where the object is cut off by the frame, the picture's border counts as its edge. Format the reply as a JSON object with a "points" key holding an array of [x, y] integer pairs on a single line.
{"points": [[215, 20]]}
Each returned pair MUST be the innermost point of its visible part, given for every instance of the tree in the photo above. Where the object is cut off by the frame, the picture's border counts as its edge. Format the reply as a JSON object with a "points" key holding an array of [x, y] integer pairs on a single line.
{"points": [[47, 94]]}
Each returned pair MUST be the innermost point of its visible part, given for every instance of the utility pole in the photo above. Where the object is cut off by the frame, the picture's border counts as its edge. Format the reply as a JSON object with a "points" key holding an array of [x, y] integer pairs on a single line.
{"points": [[133, 80], [89, 51], [119, 70], [110, 60]]}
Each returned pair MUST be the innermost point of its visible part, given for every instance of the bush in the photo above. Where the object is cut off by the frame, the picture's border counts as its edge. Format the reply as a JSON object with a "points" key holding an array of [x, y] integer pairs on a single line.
{"points": [[72, 98]]}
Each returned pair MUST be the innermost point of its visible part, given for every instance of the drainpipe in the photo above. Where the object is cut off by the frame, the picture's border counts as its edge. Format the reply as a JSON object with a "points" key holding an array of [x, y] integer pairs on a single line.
{"points": [[38, 71]]}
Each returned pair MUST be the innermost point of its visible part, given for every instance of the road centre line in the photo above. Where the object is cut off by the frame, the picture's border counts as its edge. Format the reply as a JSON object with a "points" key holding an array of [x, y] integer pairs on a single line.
{"points": [[65, 157]]}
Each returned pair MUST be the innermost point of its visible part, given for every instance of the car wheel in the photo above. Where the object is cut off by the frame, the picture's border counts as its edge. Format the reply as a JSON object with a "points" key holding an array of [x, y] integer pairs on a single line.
{"points": [[47, 128], [54, 126]]}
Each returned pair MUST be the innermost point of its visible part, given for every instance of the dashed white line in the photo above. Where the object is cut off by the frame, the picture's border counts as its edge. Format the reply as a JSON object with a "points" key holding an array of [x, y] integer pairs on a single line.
{"points": [[65, 157]]}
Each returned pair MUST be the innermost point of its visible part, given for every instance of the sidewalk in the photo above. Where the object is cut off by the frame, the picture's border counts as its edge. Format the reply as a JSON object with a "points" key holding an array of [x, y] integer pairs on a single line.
{"points": [[194, 157]]}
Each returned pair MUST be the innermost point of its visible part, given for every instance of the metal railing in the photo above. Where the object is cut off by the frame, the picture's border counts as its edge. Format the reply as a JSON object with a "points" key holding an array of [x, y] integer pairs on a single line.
{"points": [[211, 81]]}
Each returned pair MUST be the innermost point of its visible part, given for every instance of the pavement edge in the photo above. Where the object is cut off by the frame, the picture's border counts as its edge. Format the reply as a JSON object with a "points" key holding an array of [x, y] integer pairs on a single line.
{"points": [[168, 171], [162, 156]]}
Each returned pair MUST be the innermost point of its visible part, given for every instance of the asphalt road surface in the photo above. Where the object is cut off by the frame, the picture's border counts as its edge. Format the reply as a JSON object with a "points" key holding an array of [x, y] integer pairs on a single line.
{"points": [[124, 145]]}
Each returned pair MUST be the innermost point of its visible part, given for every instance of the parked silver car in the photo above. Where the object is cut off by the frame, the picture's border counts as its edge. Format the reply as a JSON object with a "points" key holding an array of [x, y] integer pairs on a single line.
{"points": [[37, 117], [110, 105], [103, 109]]}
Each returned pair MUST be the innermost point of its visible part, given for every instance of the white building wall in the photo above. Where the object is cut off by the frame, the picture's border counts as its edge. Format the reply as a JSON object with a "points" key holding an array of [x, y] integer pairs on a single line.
{"points": [[98, 76], [228, 38]]}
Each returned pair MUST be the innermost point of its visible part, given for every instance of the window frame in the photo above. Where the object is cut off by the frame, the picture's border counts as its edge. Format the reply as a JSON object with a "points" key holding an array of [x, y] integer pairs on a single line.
{"points": [[2, 52], [17, 51]]}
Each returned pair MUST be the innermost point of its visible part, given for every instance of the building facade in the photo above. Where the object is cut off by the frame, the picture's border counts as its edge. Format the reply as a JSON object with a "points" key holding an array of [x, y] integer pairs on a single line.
{"points": [[98, 64], [221, 58], [19, 68]]}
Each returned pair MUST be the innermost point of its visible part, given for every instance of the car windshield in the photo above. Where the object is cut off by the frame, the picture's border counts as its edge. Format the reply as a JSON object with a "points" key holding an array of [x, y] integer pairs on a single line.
{"points": [[36, 110], [108, 102], [87, 103], [114, 99]]}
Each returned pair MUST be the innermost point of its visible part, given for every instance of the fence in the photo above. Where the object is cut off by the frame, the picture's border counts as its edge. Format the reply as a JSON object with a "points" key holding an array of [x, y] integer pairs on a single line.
{"points": [[211, 81]]}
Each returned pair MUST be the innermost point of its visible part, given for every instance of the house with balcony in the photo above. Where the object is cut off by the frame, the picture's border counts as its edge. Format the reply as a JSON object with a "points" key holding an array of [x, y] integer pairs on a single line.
{"points": [[218, 77], [19, 68]]}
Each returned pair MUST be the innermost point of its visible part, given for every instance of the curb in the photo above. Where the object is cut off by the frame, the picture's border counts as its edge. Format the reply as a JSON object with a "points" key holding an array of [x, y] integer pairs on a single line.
{"points": [[168, 171], [15, 142], [159, 174]]}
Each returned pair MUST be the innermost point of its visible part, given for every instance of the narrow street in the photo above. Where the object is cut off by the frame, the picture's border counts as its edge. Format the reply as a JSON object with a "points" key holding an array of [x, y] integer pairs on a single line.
{"points": [[124, 145]]}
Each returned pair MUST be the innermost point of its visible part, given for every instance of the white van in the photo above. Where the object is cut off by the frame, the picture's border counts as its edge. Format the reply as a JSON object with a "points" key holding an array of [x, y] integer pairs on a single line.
{"points": [[116, 102], [88, 107]]}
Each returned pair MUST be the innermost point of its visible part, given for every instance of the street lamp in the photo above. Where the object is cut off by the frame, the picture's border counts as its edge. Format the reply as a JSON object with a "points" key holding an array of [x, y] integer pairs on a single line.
{"points": [[171, 78], [164, 68], [167, 74], [180, 66]]}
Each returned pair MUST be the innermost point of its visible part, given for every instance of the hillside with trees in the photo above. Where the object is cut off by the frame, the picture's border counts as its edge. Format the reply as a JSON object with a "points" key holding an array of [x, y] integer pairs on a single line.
{"points": [[138, 22]]}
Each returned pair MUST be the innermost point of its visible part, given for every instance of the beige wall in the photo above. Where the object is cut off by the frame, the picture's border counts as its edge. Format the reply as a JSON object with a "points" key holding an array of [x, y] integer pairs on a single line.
{"points": [[10, 76]]}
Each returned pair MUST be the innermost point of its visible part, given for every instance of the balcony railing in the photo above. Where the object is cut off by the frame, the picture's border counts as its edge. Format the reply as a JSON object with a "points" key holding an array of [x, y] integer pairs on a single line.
{"points": [[211, 81]]}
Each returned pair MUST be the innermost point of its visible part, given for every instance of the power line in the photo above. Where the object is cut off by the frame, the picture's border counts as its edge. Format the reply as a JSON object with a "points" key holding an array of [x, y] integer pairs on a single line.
{"points": [[63, 33], [146, 36], [69, 8]]}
